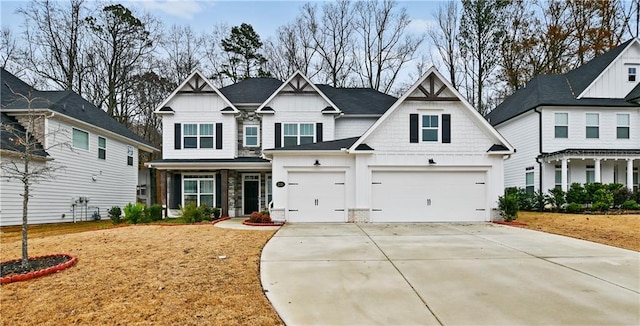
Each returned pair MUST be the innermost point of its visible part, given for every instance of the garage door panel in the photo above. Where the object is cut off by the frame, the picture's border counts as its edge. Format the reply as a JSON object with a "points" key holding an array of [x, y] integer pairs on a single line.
{"points": [[316, 197], [428, 196]]}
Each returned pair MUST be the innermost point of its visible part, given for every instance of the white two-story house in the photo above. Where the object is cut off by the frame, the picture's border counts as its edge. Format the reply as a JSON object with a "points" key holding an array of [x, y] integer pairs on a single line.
{"points": [[315, 153], [582, 126], [95, 158]]}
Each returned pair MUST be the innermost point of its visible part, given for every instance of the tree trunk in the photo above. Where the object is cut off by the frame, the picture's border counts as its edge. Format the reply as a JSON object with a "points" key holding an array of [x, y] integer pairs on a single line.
{"points": [[25, 202]]}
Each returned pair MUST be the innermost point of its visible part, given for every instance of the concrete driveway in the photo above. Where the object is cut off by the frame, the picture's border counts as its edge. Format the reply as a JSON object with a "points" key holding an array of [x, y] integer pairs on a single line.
{"points": [[449, 274]]}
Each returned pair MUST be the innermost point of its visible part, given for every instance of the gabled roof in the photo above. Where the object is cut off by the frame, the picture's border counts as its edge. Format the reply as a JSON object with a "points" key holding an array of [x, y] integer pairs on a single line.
{"points": [[66, 103], [308, 83], [251, 90], [332, 145], [562, 89], [358, 100], [634, 94], [198, 77], [6, 138], [434, 73]]}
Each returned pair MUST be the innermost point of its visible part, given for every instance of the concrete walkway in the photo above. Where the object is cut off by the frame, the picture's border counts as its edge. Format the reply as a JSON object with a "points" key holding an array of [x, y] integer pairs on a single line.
{"points": [[446, 274]]}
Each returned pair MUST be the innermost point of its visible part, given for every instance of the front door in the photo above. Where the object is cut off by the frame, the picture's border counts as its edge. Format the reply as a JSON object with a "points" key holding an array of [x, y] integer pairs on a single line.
{"points": [[251, 193]]}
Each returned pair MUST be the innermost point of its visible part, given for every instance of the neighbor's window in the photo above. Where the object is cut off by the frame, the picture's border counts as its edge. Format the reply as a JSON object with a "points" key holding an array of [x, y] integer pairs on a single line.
{"points": [[558, 176], [590, 174], [129, 155], [528, 182], [251, 136], [593, 125], [635, 179], [102, 148], [298, 133], [631, 76], [80, 139], [430, 127], [198, 189], [622, 130], [562, 125]]}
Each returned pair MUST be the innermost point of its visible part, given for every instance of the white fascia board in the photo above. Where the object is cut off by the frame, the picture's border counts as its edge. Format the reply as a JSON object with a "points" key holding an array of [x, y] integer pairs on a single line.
{"points": [[206, 80]]}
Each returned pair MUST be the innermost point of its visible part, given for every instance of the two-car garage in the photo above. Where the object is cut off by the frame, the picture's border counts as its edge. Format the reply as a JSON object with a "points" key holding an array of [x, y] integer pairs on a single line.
{"points": [[396, 196]]}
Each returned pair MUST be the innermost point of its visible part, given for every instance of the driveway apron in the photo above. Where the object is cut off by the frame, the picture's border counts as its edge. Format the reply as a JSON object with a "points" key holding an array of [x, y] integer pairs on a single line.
{"points": [[446, 274]]}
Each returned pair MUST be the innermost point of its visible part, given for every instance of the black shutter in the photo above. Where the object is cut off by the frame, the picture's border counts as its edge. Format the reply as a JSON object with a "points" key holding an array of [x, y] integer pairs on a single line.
{"points": [[446, 128], [318, 132], [413, 128], [177, 136], [218, 190], [278, 135], [176, 193], [218, 135]]}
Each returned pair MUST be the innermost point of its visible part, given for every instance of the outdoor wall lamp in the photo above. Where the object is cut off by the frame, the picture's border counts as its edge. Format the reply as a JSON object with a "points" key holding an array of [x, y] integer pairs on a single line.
{"points": [[431, 161], [317, 163]]}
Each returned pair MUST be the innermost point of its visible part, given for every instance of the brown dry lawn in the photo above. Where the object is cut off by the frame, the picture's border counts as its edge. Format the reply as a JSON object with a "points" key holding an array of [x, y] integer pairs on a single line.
{"points": [[615, 230], [141, 275]]}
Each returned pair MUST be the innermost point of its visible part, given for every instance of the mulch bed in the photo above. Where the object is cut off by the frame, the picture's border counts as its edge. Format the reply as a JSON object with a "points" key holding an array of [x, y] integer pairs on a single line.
{"points": [[246, 222], [13, 271], [510, 223]]}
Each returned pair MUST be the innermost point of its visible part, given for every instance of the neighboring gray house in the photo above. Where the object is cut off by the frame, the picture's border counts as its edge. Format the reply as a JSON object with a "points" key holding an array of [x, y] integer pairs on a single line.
{"points": [[99, 156], [582, 126]]}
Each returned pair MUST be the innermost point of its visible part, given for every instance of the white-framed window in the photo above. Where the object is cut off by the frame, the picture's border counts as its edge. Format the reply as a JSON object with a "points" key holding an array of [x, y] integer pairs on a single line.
{"points": [[590, 176], [80, 139], [558, 176], [268, 191], [430, 128], [631, 74], [198, 189], [130, 155], [622, 128], [561, 125], [635, 179], [593, 125], [196, 135], [251, 136], [528, 180], [102, 148], [298, 133]]}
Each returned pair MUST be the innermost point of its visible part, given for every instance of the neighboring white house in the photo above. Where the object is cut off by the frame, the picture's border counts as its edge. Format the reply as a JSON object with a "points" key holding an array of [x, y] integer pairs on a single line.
{"points": [[582, 126], [98, 156], [325, 154]]}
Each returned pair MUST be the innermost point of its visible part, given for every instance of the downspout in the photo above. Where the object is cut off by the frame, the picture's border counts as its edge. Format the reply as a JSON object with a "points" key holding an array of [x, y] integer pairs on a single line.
{"points": [[536, 110]]}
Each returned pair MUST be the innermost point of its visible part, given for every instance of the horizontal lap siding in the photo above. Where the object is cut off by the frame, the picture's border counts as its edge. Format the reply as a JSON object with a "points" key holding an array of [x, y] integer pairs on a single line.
{"points": [[522, 133]]}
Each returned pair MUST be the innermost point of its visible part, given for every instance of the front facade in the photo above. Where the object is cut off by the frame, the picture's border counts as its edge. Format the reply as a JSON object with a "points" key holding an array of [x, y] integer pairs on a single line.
{"points": [[314, 153], [96, 157], [580, 127]]}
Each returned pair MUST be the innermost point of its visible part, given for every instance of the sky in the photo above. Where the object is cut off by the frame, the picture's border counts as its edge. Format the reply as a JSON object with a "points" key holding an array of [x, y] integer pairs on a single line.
{"points": [[264, 16]]}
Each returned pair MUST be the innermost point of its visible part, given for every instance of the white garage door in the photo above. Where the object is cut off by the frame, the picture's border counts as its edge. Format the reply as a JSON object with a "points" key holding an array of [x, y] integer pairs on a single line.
{"points": [[316, 197], [428, 196]]}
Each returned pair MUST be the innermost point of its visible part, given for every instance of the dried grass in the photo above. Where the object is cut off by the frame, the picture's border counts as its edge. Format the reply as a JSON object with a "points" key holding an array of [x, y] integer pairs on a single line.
{"points": [[144, 275], [615, 230]]}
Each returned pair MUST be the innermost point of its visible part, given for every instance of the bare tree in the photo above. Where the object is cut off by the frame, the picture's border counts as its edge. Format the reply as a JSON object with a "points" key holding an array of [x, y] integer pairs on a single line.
{"points": [[183, 51], [444, 38], [215, 54], [293, 49], [8, 48], [25, 158], [54, 41], [383, 45]]}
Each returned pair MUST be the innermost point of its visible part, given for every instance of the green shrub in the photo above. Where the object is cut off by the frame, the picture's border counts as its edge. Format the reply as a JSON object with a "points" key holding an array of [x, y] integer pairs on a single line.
{"points": [[604, 198], [134, 213], [154, 212], [631, 204], [216, 213], [115, 214], [557, 198], [540, 199], [508, 205], [574, 208], [600, 206], [191, 213], [576, 194], [206, 212], [591, 189], [621, 195]]}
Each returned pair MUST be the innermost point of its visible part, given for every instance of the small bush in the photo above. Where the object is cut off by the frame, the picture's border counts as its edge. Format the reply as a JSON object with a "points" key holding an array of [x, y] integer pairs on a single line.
{"points": [[508, 205], [115, 214], [134, 214], [631, 205], [557, 198], [621, 195], [206, 212], [191, 213], [600, 206], [154, 212], [216, 213], [574, 208], [260, 217], [576, 194], [604, 197], [591, 189]]}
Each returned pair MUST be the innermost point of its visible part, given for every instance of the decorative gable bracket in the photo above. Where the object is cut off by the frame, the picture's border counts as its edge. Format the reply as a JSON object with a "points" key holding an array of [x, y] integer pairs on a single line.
{"points": [[432, 94]]}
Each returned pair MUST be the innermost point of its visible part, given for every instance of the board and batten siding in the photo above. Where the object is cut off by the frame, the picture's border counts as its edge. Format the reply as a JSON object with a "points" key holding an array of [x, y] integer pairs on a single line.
{"points": [[199, 108], [347, 127], [577, 129], [613, 82], [114, 185], [522, 133]]}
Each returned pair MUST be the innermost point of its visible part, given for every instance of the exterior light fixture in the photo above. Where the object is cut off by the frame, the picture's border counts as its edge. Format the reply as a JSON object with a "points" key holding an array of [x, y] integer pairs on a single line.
{"points": [[317, 163], [431, 161]]}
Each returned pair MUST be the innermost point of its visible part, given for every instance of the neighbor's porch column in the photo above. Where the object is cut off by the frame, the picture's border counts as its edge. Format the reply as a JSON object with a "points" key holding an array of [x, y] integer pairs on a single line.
{"points": [[596, 167], [563, 173], [630, 174]]}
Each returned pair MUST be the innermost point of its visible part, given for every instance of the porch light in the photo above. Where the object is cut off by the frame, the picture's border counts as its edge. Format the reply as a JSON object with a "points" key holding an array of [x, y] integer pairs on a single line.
{"points": [[431, 161], [317, 163]]}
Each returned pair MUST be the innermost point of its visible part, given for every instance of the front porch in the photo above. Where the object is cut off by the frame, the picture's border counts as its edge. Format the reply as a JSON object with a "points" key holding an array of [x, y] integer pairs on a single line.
{"points": [[562, 168]]}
